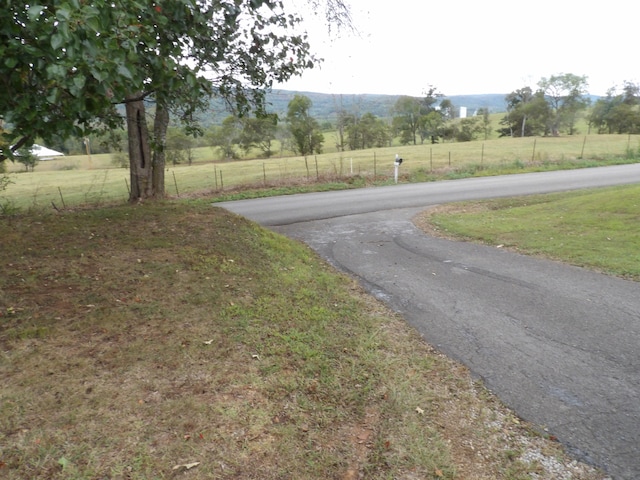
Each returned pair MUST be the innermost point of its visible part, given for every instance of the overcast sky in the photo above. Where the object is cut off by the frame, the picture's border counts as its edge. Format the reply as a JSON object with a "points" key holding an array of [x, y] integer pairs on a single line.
{"points": [[472, 46]]}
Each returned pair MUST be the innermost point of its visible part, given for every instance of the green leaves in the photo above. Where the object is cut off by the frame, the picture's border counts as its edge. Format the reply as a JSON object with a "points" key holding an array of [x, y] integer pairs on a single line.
{"points": [[34, 12], [55, 71], [63, 13], [57, 40], [10, 62], [74, 59], [124, 71]]}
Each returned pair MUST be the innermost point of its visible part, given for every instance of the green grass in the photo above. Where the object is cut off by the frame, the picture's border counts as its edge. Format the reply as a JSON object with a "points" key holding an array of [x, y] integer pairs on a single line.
{"points": [[135, 340], [599, 229]]}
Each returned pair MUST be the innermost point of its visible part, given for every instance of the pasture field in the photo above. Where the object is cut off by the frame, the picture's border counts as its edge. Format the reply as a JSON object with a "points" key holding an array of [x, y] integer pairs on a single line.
{"points": [[77, 180]]}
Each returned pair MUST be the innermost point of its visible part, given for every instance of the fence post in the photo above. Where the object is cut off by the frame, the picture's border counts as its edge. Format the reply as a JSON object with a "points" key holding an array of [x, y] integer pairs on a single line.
{"points": [[374, 167], [62, 199], [533, 155], [583, 144], [175, 182]]}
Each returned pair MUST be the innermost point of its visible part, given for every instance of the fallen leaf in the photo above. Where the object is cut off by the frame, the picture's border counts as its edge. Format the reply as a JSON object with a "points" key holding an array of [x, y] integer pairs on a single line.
{"points": [[208, 342], [186, 466]]}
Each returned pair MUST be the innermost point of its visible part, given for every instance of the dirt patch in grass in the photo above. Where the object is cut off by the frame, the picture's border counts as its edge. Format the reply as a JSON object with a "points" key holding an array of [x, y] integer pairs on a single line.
{"points": [[177, 340]]}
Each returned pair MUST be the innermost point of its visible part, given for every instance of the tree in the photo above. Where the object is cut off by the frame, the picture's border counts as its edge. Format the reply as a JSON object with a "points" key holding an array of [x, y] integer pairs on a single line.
{"points": [[447, 109], [566, 95], [367, 132], [486, 121], [258, 132], [66, 64], [232, 50], [226, 137], [618, 112], [305, 129], [344, 121], [527, 114], [406, 119], [26, 158], [420, 116], [430, 126], [55, 71], [466, 129], [179, 146]]}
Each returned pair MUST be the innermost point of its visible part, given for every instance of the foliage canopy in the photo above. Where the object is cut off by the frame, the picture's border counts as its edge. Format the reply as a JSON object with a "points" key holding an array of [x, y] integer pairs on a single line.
{"points": [[66, 65]]}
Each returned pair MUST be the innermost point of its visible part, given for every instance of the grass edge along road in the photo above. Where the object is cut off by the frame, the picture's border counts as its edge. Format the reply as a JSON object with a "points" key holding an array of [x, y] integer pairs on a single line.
{"points": [[596, 229], [210, 347]]}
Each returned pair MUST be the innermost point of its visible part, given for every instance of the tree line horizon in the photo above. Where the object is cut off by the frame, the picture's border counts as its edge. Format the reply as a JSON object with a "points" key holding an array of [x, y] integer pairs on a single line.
{"points": [[553, 109]]}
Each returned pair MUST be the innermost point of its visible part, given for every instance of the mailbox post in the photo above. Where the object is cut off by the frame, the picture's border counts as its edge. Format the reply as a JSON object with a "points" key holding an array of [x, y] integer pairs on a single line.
{"points": [[396, 166]]}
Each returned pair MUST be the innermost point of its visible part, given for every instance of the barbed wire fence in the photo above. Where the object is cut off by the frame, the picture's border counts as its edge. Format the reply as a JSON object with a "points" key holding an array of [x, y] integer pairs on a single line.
{"points": [[421, 163]]}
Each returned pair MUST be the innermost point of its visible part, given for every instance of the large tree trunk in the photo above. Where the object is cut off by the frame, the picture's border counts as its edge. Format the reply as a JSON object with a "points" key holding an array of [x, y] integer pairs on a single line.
{"points": [[140, 164], [160, 125], [146, 164]]}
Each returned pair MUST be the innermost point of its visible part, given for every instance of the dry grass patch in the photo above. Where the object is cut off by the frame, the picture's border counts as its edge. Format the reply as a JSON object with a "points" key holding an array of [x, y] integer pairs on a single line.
{"points": [[174, 340]]}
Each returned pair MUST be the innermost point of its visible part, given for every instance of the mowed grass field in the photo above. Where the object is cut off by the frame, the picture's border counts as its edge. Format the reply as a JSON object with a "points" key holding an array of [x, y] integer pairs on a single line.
{"points": [[72, 181]]}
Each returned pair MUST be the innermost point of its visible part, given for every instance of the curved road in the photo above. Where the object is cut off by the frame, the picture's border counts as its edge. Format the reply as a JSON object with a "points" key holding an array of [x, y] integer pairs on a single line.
{"points": [[558, 344]]}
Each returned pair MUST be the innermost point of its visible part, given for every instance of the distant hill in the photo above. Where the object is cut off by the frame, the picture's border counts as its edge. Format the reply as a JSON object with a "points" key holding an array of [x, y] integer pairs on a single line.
{"points": [[325, 106]]}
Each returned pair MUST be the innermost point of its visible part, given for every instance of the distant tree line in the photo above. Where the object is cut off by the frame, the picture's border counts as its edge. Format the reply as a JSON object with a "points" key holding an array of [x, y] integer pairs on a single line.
{"points": [[618, 112], [560, 100], [553, 108]]}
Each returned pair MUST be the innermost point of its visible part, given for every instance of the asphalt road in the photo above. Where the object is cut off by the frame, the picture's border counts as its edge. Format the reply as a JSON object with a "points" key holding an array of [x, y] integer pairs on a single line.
{"points": [[558, 344]]}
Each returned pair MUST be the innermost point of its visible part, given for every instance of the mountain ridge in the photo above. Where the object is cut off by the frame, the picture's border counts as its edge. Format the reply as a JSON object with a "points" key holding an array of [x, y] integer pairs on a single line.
{"points": [[325, 106]]}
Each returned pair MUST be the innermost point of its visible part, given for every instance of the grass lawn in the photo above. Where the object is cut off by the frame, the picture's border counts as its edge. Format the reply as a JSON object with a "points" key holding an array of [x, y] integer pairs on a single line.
{"points": [[598, 229], [176, 340]]}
